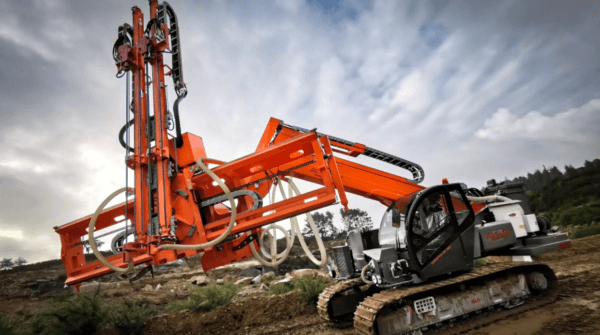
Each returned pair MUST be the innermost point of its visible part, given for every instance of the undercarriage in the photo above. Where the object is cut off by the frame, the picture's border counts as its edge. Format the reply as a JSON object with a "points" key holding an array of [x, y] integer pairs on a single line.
{"points": [[448, 306]]}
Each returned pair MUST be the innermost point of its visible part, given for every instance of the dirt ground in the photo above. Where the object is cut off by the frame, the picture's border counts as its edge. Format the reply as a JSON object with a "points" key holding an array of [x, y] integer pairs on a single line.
{"points": [[576, 311]]}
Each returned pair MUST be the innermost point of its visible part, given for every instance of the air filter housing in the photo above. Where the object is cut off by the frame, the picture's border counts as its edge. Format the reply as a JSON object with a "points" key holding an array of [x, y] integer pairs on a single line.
{"points": [[344, 262]]}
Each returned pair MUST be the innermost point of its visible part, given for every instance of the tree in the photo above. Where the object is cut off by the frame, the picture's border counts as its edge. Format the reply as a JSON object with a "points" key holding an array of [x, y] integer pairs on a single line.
{"points": [[570, 171], [324, 223], [555, 173], [355, 218], [6, 263], [20, 261]]}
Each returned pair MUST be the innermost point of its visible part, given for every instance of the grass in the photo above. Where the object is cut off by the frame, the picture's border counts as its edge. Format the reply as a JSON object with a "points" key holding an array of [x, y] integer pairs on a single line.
{"points": [[310, 288], [280, 289], [206, 298]]}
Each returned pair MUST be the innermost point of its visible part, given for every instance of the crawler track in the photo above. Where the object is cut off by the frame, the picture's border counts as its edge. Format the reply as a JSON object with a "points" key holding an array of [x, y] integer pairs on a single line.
{"points": [[329, 293], [365, 318], [366, 313]]}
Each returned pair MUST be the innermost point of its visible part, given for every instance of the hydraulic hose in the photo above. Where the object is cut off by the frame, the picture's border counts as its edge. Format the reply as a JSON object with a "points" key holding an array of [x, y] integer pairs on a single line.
{"points": [[122, 133], [124, 129], [488, 198], [231, 222], [273, 237], [294, 231], [289, 240], [178, 139], [315, 230], [273, 250], [92, 241], [363, 274]]}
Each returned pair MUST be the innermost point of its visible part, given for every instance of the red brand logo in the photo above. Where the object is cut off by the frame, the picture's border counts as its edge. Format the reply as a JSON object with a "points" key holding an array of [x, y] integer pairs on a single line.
{"points": [[498, 234], [475, 300], [440, 255], [564, 245], [512, 215]]}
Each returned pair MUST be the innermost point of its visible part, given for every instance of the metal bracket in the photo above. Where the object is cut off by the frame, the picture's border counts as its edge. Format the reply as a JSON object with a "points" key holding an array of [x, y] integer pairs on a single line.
{"points": [[245, 242], [142, 272], [191, 231]]}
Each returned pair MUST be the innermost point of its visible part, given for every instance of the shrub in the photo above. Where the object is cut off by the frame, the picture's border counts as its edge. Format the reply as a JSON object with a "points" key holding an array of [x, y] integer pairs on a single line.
{"points": [[11, 325], [585, 232], [206, 298], [480, 262], [129, 317], [310, 288], [76, 315], [280, 289], [580, 215]]}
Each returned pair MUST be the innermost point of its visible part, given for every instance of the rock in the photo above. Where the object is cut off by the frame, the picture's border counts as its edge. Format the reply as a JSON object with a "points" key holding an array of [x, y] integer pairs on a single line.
{"points": [[286, 280], [19, 310], [220, 281], [244, 281], [250, 291], [557, 228], [288, 275], [309, 273], [266, 277], [256, 280], [264, 287], [232, 278], [267, 269], [157, 287], [249, 272], [147, 288], [199, 280]]}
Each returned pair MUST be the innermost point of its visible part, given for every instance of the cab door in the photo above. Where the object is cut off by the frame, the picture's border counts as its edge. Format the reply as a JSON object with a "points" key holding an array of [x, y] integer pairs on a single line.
{"points": [[440, 231]]}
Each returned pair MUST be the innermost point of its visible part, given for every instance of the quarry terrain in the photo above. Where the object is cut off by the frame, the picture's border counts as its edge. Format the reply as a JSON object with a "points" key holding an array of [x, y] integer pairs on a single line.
{"points": [[252, 311]]}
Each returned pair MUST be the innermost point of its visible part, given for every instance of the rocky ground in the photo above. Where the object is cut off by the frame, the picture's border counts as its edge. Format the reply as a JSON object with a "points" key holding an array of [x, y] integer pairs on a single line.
{"points": [[576, 310]]}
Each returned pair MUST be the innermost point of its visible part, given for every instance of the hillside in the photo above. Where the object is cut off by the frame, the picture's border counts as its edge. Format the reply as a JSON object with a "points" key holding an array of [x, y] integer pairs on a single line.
{"points": [[571, 200]]}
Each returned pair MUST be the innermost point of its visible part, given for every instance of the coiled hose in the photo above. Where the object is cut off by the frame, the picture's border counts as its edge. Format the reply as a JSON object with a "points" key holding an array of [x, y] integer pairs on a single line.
{"points": [[92, 241], [294, 231]]}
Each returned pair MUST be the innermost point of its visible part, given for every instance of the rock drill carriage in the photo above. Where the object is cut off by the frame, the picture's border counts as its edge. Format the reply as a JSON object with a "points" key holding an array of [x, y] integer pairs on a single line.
{"points": [[180, 207]]}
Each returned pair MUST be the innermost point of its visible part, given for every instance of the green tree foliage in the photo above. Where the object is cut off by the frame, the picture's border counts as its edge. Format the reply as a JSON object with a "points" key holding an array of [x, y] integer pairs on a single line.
{"points": [[585, 232], [324, 223], [355, 218]]}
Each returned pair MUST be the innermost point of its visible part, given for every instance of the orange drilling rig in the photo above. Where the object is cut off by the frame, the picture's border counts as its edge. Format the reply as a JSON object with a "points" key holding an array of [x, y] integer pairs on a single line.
{"points": [[179, 207]]}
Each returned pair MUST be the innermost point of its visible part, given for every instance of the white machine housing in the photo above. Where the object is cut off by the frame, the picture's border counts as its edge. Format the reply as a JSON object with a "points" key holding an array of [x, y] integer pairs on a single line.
{"points": [[512, 211]]}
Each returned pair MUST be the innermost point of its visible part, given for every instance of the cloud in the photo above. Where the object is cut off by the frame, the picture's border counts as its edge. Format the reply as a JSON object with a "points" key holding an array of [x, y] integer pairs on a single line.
{"points": [[579, 125], [16, 234], [446, 85]]}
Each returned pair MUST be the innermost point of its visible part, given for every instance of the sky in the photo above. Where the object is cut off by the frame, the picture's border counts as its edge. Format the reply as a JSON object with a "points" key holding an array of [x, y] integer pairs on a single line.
{"points": [[470, 90]]}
